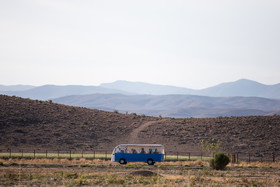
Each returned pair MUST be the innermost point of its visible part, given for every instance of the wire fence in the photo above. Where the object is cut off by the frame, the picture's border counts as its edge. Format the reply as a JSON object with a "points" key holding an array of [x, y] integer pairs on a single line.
{"points": [[234, 157], [106, 155]]}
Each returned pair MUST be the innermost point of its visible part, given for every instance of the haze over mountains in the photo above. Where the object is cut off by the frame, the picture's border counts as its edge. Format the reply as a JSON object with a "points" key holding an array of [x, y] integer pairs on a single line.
{"points": [[47, 92], [176, 105], [242, 87], [240, 98]]}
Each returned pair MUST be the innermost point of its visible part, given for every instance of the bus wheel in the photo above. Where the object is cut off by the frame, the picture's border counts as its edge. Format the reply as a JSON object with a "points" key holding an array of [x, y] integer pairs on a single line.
{"points": [[122, 161], [150, 161]]}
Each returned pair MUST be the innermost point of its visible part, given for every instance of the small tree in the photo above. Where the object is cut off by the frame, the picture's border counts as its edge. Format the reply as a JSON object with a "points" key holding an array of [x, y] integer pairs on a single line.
{"points": [[211, 147], [220, 161]]}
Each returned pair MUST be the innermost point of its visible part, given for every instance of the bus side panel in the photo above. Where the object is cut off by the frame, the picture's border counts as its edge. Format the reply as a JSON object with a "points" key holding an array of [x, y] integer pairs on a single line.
{"points": [[134, 157]]}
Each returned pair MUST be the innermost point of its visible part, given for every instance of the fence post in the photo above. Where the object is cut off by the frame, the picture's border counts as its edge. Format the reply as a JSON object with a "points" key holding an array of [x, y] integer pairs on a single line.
{"points": [[233, 158], [34, 153], [249, 157], [189, 156], [273, 157], [237, 160]]}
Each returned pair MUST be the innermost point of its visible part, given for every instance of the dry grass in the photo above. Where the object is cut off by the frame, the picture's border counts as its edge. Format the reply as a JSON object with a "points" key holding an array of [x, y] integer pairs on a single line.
{"points": [[108, 162], [98, 162], [105, 173], [185, 163], [257, 164], [57, 161]]}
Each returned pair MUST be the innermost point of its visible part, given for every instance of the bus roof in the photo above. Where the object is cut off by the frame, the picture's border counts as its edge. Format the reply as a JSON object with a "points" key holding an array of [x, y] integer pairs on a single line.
{"points": [[142, 145]]}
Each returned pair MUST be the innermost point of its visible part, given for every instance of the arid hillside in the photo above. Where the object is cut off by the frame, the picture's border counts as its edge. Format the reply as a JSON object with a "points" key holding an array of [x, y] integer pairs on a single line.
{"points": [[32, 124]]}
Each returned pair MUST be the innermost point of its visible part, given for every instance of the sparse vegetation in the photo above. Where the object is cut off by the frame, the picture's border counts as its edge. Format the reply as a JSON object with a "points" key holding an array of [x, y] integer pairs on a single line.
{"points": [[64, 172], [29, 124]]}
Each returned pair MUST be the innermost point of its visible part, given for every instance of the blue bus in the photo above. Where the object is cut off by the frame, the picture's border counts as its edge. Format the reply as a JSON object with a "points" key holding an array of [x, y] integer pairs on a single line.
{"points": [[149, 153]]}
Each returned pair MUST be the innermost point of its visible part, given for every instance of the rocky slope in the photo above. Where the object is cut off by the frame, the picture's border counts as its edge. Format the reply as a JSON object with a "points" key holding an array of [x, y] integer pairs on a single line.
{"points": [[32, 124]]}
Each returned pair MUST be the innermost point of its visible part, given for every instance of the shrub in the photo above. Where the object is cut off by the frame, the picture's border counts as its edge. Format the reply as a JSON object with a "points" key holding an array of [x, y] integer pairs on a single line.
{"points": [[220, 161]]}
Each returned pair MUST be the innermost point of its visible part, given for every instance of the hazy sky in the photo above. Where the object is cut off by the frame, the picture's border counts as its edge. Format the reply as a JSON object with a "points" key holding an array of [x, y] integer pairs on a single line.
{"points": [[189, 43]]}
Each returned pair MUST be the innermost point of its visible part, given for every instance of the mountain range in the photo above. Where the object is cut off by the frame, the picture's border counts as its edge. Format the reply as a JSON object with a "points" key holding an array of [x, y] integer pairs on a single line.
{"points": [[47, 92], [240, 98], [242, 87], [175, 105]]}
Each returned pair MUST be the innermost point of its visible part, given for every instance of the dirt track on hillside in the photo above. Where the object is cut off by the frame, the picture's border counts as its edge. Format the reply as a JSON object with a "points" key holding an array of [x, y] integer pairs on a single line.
{"points": [[134, 135]]}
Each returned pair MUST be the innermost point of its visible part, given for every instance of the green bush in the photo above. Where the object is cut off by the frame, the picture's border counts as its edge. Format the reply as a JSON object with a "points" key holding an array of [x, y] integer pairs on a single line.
{"points": [[220, 161]]}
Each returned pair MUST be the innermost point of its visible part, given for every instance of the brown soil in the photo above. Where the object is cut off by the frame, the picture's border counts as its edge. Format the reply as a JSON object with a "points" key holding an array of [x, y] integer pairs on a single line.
{"points": [[32, 124]]}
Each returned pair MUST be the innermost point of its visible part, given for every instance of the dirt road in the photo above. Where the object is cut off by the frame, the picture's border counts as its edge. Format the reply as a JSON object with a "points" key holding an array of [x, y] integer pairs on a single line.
{"points": [[134, 138]]}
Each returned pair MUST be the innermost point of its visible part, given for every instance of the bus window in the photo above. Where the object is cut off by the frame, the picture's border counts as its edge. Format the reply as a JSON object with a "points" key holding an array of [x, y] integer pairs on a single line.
{"points": [[143, 151]]}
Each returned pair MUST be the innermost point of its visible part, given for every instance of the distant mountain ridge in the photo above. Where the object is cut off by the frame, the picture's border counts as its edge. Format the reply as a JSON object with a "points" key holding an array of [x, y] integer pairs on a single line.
{"points": [[146, 88], [52, 91], [240, 98], [16, 87], [242, 88], [176, 105]]}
